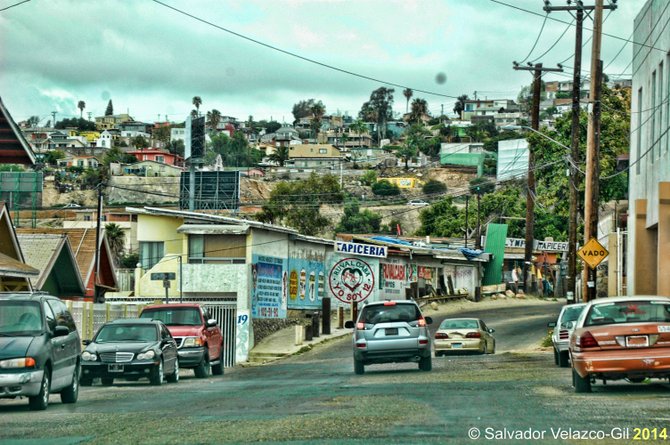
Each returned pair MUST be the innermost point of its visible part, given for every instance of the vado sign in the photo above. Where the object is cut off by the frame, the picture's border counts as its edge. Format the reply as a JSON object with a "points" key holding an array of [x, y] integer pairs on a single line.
{"points": [[351, 280], [592, 253]]}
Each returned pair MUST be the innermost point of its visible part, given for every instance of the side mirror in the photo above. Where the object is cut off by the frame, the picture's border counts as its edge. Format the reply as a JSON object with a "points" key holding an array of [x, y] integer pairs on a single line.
{"points": [[551, 324], [491, 330], [349, 324], [61, 331], [429, 320], [211, 322], [86, 342]]}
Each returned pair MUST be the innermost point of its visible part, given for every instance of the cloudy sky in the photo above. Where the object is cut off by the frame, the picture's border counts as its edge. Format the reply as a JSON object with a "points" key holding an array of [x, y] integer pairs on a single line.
{"points": [[151, 57]]}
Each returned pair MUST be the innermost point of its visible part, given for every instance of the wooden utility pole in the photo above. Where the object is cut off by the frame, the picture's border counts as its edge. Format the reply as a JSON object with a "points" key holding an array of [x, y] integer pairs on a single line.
{"points": [[97, 297], [592, 148], [530, 193], [579, 9]]}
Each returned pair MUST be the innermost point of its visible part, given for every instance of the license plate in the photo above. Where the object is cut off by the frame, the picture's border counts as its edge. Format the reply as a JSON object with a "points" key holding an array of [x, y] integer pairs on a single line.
{"points": [[391, 331], [456, 345], [115, 368], [637, 341]]}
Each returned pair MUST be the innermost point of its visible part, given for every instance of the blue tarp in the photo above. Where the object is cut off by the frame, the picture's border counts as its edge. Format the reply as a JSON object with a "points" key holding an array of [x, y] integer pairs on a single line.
{"points": [[470, 254]]}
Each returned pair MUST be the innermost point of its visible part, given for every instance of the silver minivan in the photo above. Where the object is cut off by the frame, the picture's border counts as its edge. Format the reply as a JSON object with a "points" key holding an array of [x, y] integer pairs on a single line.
{"points": [[389, 332]]}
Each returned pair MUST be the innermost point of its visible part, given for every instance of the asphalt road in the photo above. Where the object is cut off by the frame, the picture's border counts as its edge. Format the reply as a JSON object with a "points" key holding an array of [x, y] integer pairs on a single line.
{"points": [[316, 398]]}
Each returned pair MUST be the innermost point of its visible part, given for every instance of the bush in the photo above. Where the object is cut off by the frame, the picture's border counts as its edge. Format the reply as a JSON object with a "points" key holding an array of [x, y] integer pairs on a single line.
{"points": [[369, 177], [434, 186], [385, 188]]}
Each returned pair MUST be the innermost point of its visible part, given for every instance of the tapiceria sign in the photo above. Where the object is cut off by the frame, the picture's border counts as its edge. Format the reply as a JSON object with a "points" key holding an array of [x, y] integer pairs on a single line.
{"points": [[361, 249]]}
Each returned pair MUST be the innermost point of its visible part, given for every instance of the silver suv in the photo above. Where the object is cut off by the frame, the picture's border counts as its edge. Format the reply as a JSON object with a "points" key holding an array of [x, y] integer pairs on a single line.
{"points": [[389, 332]]}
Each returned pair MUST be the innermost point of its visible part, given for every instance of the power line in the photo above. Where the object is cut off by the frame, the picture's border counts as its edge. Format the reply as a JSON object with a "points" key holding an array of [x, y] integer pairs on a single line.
{"points": [[555, 43], [14, 5], [544, 22], [298, 56]]}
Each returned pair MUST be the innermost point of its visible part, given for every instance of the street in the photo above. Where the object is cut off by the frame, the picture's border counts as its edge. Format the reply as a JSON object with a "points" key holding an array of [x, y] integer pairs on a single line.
{"points": [[518, 393]]}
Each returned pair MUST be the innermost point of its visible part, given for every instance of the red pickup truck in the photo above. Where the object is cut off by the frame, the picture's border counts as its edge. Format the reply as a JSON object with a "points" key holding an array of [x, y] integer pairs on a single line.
{"points": [[199, 339]]}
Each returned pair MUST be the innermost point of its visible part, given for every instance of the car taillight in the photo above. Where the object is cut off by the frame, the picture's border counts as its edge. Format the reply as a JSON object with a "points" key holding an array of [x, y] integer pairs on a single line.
{"points": [[389, 303], [423, 341], [563, 334], [441, 335], [360, 345], [473, 335], [587, 340], [360, 326], [422, 322]]}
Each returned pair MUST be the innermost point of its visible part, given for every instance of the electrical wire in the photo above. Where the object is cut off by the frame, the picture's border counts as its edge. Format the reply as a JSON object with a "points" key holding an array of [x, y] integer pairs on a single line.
{"points": [[555, 43], [537, 39], [14, 5]]}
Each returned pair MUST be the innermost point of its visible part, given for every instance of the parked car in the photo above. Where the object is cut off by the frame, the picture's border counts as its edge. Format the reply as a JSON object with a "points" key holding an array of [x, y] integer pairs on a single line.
{"points": [[417, 203], [199, 339], [39, 349], [389, 332], [464, 334], [621, 338], [563, 327], [130, 348]]}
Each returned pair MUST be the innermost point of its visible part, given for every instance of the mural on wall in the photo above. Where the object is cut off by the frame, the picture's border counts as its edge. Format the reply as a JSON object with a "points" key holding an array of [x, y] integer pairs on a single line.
{"points": [[395, 276], [242, 341], [269, 287], [305, 283], [351, 280]]}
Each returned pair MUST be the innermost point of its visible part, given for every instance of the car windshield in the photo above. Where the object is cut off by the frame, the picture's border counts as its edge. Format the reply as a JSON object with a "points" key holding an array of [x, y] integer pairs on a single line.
{"points": [[571, 313], [126, 332], [20, 318], [174, 316], [459, 324], [628, 312], [388, 314]]}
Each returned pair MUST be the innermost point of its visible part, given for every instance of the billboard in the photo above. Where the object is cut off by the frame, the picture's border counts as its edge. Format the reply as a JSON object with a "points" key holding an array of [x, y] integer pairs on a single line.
{"points": [[216, 190], [269, 287]]}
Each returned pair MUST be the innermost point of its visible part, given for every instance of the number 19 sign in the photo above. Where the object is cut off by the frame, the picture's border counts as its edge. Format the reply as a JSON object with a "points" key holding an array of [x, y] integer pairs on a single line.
{"points": [[351, 280]]}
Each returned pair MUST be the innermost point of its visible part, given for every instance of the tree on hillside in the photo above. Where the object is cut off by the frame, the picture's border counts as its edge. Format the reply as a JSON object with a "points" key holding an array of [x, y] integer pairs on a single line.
{"points": [[379, 107], [163, 134], [81, 105], [298, 203], [213, 119], [197, 101], [304, 109], [416, 140], [76, 122], [176, 147], [270, 127], [235, 151], [139, 142], [317, 110], [116, 238], [280, 155], [355, 221], [110, 109], [359, 127], [33, 121], [419, 110], [459, 106], [407, 92]]}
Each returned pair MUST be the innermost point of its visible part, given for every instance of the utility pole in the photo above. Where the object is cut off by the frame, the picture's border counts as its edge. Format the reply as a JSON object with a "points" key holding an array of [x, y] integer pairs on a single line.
{"points": [[53, 115], [537, 70], [97, 298], [579, 9], [592, 151], [467, 204]]}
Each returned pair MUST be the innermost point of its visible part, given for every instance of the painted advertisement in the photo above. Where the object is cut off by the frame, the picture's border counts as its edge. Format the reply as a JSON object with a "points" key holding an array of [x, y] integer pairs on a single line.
{"points": [[269, 287], [394, 277], [305, 283], [351, 280]]}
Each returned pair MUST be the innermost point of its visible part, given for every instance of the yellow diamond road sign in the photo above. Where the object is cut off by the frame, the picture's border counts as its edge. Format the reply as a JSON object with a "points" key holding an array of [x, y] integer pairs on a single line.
{"points": [[592, 253]]}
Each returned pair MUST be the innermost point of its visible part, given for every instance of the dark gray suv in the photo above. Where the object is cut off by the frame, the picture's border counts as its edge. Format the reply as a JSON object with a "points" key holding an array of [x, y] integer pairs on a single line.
{"points": [[39, 349], [391, 331]]}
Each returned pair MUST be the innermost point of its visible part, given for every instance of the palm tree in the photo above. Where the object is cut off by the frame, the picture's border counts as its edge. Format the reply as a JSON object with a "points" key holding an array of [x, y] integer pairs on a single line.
{"points": [[407, 92], [81, 105], [419, 109], [213, 119], [460, 104], [116, 239], [359, 127], [280, 155], [197, 101]]}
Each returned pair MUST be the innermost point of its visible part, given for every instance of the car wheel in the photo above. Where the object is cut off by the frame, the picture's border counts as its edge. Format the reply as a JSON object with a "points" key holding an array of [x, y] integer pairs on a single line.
{"points": [[174, 377], [107, 381], [582, 384], [203, 369], [71, 393], [555, 357], [41, 400], [157, 375], [425, 364], [218, 368], [359, 367], [636, 379], [564, 359]]}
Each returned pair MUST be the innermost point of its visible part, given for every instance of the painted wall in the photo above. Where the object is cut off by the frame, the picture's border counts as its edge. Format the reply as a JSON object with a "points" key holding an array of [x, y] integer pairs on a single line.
{"points": [[158, 228], [306, 275]]}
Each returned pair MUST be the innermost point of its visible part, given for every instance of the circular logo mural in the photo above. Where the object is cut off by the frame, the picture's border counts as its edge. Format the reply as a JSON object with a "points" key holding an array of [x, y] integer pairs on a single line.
{"points": [[351, 280]]}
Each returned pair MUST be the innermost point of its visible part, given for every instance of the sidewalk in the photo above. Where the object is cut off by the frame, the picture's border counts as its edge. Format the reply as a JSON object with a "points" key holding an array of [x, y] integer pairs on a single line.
{"points": [[282, 344]]}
